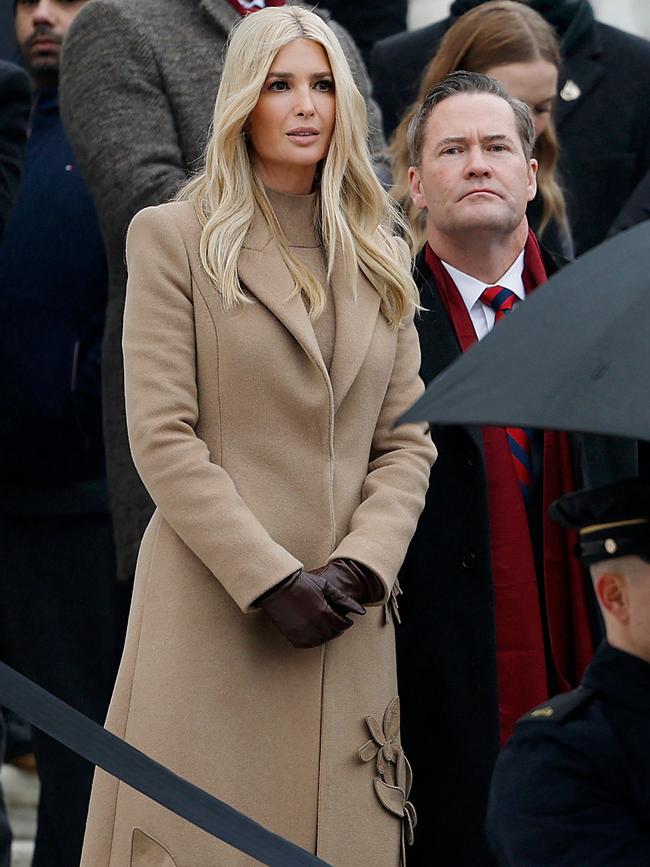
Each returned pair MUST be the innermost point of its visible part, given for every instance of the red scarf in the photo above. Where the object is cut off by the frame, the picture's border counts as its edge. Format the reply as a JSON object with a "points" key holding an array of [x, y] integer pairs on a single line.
{"points": [[245, 7], [522, 672]]}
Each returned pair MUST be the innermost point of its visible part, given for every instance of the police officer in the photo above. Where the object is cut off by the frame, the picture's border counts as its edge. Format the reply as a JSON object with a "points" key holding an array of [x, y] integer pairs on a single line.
{"points": [[572, 786]]}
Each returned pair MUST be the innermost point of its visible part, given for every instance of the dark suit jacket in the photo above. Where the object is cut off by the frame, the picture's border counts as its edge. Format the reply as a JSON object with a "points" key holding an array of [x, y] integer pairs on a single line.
{"points": [[446, 647], [15, 103], [368, 21], [604, 133]]}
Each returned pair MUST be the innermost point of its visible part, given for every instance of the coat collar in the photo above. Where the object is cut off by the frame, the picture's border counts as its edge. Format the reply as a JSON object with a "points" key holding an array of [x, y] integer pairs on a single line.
{"points": [[356, 318], [624, 679], [263, 272], [440, 345], [438, 341]]}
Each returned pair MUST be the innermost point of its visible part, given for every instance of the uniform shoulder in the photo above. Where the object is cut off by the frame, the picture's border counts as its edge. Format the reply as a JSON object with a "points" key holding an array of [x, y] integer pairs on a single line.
{"points": [[561, 708], [575, 741], [573, 727], [559, 779]]}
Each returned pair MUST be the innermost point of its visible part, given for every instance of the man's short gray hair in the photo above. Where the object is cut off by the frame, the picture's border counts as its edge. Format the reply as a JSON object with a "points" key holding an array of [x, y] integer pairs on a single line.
{"points": [[468, 82]]}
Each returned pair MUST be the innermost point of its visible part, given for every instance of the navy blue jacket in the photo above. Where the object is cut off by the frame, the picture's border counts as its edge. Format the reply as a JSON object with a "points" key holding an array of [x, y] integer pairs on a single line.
{"points": [[53, 286], [572, 787]]}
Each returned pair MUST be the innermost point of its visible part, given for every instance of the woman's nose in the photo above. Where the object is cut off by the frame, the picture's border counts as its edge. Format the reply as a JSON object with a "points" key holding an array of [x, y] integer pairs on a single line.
{"points": [[304, 102]]}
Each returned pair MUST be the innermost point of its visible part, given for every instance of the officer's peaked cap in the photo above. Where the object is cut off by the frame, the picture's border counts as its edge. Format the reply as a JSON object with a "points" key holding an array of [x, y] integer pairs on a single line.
{"points": [[612, 520]]}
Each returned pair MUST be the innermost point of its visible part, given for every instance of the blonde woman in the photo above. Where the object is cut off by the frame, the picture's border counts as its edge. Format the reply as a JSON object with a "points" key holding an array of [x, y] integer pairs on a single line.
{"points": [[512, 43], [269, 349]]}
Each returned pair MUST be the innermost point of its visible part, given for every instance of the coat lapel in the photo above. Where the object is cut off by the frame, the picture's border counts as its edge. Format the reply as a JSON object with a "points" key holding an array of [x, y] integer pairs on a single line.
{"points": [[355, 323], [582, 72], [263, 272], [438, 341]]}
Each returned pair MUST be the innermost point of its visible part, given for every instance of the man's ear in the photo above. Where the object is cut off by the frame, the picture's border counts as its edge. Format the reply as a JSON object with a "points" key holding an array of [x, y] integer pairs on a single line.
{"points": [[533, 165], [612, 593], [416, 189]]}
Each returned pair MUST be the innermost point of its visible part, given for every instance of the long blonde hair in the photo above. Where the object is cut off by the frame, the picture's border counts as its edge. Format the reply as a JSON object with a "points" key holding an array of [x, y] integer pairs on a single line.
{"points": [[490, 35], [356, 218]]}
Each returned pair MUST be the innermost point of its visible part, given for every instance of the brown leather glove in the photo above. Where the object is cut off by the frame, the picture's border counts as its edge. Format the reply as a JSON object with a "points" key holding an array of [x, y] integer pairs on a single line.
{"points": [[308, 609], [356, 581]]}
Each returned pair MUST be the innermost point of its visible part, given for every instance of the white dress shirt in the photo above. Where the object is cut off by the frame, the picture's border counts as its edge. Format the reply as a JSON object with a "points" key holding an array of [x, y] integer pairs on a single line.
{"points": [[471, 289]]}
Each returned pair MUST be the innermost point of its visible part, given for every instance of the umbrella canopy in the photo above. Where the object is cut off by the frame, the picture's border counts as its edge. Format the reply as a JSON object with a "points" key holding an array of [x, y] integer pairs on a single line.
{"points": [[575, 356]]}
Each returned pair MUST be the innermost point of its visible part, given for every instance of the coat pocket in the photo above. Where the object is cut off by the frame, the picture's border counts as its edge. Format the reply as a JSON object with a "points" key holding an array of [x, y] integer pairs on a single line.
{"points": [[146, 852]]}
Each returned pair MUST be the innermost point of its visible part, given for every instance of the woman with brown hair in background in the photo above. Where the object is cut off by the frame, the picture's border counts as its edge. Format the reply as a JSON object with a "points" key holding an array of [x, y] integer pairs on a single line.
{"points": [[512, 43]]}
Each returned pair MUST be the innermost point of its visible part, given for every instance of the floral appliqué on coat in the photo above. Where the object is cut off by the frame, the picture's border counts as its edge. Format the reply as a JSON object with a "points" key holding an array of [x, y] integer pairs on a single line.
{"points": [[391, 608], [395, 777]]}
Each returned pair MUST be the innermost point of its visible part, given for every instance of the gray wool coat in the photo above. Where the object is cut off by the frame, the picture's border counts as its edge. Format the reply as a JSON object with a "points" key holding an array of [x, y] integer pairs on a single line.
{"points": [[139, 80]]}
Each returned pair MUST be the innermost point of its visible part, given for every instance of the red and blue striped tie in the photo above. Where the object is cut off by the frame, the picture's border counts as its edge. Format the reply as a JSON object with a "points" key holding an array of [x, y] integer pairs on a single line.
{"points": [[502, 301]]}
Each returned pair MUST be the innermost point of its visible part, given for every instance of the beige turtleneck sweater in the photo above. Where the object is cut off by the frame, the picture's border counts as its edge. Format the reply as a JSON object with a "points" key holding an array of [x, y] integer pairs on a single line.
{"points": [[296, 215]]}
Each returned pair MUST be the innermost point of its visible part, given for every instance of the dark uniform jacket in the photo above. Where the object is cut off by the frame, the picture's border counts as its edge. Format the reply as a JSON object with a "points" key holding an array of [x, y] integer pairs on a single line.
{"points": [[602, 117], [572, 787], [446, 643]]}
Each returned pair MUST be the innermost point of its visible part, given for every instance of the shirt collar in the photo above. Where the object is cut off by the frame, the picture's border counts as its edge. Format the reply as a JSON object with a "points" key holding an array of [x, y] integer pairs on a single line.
{"points": [[471, 289], [622, 677]]}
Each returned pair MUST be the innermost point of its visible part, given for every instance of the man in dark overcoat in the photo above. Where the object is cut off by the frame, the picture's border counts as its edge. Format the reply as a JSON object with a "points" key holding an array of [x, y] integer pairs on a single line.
{"points": [[573, 784], [602, 112], [495, 608]]}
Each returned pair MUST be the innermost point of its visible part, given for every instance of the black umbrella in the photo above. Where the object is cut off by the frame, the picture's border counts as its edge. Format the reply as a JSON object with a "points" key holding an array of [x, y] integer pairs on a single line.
{"points": [[575, 356]]}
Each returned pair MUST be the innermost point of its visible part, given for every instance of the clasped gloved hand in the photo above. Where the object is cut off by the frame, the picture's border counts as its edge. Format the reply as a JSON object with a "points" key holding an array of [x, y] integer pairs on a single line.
{"points": [[355, 580], [308, 609]]}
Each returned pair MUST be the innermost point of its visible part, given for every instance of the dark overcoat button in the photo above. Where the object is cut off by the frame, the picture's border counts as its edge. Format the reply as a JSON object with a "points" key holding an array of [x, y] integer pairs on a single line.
{"points": [[469, 560]]}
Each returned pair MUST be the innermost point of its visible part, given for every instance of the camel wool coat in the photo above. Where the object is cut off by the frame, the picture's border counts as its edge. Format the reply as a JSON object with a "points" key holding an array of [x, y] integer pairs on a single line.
{"points": [[259, 461]]}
